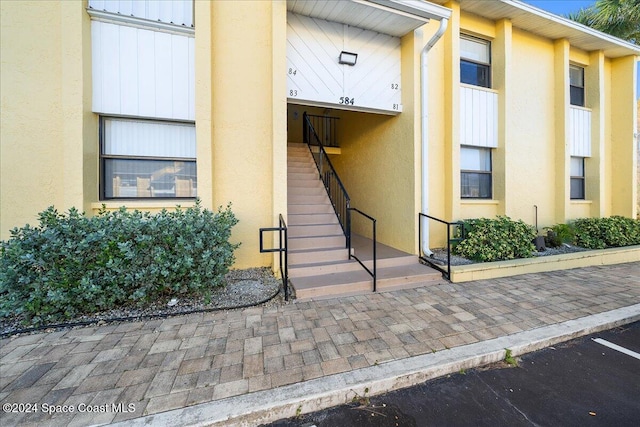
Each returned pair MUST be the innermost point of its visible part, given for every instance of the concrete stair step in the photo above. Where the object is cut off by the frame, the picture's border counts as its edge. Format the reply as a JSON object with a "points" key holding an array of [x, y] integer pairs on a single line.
{"points": [[307, 183], [303, 199], [300, 157], [306, 191], [312, 218], [310, 208], [306, 256], [317, 242], [392, 262], [318, 287], [313, 230], [352, 282], [305, 159], [302, 169], [319, 268], [302, 176]]}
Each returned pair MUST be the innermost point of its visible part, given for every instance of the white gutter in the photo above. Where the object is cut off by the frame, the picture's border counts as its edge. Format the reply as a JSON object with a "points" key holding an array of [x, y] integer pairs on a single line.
{"points": [[424, 110]]}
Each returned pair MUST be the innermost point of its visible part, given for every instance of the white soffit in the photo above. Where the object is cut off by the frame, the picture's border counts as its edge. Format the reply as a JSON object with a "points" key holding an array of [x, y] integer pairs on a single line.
{"points": [[548, 25], [392, 17]]}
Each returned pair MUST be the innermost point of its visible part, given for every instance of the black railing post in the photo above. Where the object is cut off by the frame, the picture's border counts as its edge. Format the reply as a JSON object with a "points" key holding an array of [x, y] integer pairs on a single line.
{"points": [[348, 215], [449, 250], [282, 249], [375, 257], [446, 272]]}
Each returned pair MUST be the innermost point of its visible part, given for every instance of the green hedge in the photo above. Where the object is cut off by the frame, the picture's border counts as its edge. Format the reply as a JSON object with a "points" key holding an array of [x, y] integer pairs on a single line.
{"points": [[496, 239], [72, 264], [600, 233]]}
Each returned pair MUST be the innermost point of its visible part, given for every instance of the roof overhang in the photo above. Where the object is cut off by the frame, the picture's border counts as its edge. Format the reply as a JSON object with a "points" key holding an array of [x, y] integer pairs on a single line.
{"points": [[393, 17], [549, 25]]}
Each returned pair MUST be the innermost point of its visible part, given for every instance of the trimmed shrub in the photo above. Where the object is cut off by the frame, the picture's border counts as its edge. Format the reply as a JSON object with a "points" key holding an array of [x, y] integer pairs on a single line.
{"points": [[72, 264], [496, 239], [600, 233]]}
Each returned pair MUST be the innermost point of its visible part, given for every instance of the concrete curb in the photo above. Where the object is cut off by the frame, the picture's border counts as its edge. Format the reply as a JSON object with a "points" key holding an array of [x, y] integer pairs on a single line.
{"points": [[313, 395]]}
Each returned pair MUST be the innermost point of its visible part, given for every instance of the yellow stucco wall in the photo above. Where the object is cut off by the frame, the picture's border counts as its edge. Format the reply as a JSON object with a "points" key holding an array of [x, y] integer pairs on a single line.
{"points": [[48, 150], [49, 137], [531, 163], [248, 146]]}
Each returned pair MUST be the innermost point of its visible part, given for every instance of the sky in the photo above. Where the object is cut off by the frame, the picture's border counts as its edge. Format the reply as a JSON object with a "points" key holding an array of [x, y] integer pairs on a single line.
{"points": [[563, 7]]}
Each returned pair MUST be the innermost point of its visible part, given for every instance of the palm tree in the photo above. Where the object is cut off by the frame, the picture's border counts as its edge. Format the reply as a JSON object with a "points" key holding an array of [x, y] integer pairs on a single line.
{"points": [[620, 18]]}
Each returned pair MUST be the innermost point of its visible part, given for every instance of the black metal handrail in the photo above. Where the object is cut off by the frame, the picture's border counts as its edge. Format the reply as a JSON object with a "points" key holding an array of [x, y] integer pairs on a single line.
{"points": [[326, 128], [373, 271], [332, 183], [335, 189], [447, 272], [282, 249]]}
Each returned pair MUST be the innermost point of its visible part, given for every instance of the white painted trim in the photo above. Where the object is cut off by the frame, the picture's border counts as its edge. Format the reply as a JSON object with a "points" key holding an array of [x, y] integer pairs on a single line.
{"points": [[144, 24], [572, 24], [415, 9]]}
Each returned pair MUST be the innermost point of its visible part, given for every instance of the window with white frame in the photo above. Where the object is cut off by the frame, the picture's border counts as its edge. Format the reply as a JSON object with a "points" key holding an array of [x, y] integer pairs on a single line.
{"points": [[576, 83], [475, 173], [577, 178], [475, 61], [147, 159]]}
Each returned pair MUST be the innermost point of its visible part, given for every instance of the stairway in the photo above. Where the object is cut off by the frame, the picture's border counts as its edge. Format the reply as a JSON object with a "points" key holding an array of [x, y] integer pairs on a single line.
{"points": [[319, 265]]}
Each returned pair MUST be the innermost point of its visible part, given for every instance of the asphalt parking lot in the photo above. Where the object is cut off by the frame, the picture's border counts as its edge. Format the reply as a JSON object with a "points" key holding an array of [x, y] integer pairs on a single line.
{"points": [[590, 381]]}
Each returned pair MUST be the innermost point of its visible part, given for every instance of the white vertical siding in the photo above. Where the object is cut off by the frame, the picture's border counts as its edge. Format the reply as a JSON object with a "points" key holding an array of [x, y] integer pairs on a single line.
{"points": [[313, 49], [179, 12], [580, 132], [142, 73], [478, 117]]}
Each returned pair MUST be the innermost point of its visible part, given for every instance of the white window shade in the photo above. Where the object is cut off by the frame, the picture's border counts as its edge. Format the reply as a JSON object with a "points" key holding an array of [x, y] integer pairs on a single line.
{"points": [[475, 50], [577, 166], [178, 12], [148, 139], [475, 159]]}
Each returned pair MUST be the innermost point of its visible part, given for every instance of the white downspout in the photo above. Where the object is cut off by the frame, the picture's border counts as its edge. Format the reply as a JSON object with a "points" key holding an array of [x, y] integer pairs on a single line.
{"points": [[424, 107]]}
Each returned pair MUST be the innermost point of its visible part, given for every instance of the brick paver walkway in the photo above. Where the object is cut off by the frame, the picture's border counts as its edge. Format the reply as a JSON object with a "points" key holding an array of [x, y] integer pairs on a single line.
{"points": [[160, 365]]}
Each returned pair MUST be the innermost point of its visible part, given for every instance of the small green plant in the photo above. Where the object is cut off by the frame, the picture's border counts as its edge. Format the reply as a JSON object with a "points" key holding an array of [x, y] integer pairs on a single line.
{"points": [[462, 371], [363, 400], [71, 264], [496, 239], [509, 359], [559, 234], [299, 412]]}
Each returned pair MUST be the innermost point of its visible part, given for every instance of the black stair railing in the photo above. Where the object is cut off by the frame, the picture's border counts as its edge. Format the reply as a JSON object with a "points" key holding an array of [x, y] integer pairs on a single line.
{"points": [[326, 128], [336, 191], [332, 183]]}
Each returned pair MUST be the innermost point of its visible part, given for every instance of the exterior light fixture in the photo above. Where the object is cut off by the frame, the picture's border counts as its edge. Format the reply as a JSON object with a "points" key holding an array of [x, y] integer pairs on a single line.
{"points": [[348, 58]]}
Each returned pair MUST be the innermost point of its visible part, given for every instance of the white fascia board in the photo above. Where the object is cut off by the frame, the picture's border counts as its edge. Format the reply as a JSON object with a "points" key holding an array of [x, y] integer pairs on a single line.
{"points": [[415, 8], [572, 24]]}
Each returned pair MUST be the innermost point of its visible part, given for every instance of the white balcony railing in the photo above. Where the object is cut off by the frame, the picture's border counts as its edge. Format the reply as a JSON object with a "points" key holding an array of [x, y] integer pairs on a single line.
{"points": [[478, 116], [580, 131]]}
